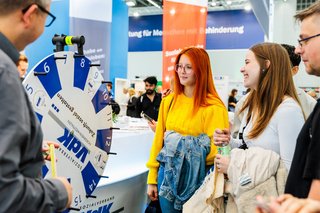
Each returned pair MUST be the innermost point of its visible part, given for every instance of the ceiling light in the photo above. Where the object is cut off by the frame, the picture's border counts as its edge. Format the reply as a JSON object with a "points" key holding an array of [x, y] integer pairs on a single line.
{"points": [[229, 2], [247, 7], [167, 78], [213, 4], [154, 4], [131, 3], [136, 14]]}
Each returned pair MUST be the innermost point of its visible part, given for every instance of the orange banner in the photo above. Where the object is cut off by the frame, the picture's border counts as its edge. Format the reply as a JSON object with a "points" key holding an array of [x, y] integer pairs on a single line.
{"points": [[184, 25]]}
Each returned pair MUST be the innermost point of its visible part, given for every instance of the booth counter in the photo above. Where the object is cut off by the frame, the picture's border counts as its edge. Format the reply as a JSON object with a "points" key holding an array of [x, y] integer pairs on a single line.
{"points": [[125, 188]]}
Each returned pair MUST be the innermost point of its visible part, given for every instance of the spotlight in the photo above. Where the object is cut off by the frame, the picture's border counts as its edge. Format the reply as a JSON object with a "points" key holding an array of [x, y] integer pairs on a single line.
{"points": [[131, 3]]}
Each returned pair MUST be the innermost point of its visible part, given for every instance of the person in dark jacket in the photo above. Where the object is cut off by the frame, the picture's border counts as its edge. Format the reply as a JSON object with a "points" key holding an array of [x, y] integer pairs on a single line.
{"points": [[132, 102], [232, 101], [149, 102]]}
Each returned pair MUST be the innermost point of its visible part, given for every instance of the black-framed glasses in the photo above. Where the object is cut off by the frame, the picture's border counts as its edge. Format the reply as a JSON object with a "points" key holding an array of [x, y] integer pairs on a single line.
{"points": [[187, 68], [303, 42], [50, 18]]}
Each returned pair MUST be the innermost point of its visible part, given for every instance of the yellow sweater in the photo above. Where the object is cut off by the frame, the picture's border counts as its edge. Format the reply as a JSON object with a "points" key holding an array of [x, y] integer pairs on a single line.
{"points": [[179, 119]]}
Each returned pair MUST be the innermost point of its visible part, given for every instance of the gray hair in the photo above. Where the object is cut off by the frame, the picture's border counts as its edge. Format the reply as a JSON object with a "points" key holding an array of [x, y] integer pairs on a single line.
{"points": [[9, 6]]}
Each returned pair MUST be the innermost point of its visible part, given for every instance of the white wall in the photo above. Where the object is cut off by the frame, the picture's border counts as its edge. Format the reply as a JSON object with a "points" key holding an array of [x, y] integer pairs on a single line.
{"points": [[227, 62], [144, 64]]}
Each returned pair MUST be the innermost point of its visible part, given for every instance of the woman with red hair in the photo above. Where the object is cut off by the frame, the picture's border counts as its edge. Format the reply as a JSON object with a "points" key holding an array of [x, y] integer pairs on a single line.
{"points": [[183, 146]]}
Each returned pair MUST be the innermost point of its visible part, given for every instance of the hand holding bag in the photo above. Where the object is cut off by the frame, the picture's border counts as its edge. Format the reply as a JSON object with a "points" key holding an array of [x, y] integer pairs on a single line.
{"points": [[153, 207], [209, 196]]}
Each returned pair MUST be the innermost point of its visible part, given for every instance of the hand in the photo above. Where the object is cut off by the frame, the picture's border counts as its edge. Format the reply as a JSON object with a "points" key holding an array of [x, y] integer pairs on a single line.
{"points": [[222, 163], [45, 149], [166, 93], [310, 206], [289, 204], [221, 137], [152, 125], [68, 187], [263, 206], [152, 192]]}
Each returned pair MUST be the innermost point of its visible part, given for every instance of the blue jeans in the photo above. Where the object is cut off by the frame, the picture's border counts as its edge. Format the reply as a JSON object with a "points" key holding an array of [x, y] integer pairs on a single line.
{"points": [[166, 205]]}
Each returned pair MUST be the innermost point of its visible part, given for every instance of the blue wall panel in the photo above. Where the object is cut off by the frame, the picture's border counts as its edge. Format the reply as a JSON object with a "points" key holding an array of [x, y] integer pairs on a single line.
{"points": [[233, 29], [119, 38]]}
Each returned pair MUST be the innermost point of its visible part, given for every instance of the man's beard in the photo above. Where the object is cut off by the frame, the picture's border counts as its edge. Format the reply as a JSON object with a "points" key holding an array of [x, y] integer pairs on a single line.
{"points": [[149, 91]]}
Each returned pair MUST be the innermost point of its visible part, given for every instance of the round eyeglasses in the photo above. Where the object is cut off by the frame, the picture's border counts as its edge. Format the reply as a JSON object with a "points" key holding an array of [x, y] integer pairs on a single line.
{"points": [[187, 68]]}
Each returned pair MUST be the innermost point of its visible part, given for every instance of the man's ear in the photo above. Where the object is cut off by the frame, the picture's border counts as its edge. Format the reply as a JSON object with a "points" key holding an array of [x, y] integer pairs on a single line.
{"points": [[29, 15]]}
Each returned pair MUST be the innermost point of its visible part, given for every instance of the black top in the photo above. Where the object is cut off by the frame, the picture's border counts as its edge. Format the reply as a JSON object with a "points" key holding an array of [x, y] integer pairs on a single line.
{"points": [[306, 162], [231, 100], [131, 107], [150, 108]]}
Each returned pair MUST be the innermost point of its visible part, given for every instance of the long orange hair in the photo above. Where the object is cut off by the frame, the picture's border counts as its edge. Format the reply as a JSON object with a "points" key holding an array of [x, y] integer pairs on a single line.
{"points": [[205, 93]]}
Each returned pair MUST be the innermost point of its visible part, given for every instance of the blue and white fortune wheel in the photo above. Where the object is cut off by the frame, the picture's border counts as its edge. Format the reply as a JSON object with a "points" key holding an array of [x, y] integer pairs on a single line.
{"points": [[72, 105]]}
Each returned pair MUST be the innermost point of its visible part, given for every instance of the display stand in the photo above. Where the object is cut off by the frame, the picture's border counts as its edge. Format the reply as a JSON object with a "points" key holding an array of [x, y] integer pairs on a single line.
{"points": [[71, 101]]}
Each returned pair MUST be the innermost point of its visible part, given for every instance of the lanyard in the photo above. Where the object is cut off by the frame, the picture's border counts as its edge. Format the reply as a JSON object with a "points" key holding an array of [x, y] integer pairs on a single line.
{"points": [[243, 145]]}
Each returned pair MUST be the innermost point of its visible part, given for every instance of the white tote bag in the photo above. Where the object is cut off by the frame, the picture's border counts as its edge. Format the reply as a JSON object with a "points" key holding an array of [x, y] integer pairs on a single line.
{"points": [[209, 197]]}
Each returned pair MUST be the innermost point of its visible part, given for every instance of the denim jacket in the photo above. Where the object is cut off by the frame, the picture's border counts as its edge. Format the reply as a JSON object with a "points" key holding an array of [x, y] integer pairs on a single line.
{"points": [[184, 162]]}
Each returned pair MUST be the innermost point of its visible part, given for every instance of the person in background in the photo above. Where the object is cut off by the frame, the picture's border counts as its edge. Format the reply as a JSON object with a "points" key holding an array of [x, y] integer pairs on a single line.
{"points": [[114, 105], [237, 116], [109, 88], [149, 102], [132, 102], [232, 101], [306, 101], [187, 119], [304, 176], [21, 187], [23, 65]]}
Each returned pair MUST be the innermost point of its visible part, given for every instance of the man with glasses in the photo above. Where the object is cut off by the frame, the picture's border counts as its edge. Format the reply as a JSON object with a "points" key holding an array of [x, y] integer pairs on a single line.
{"points": [[21, 187], [304, 175]]}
